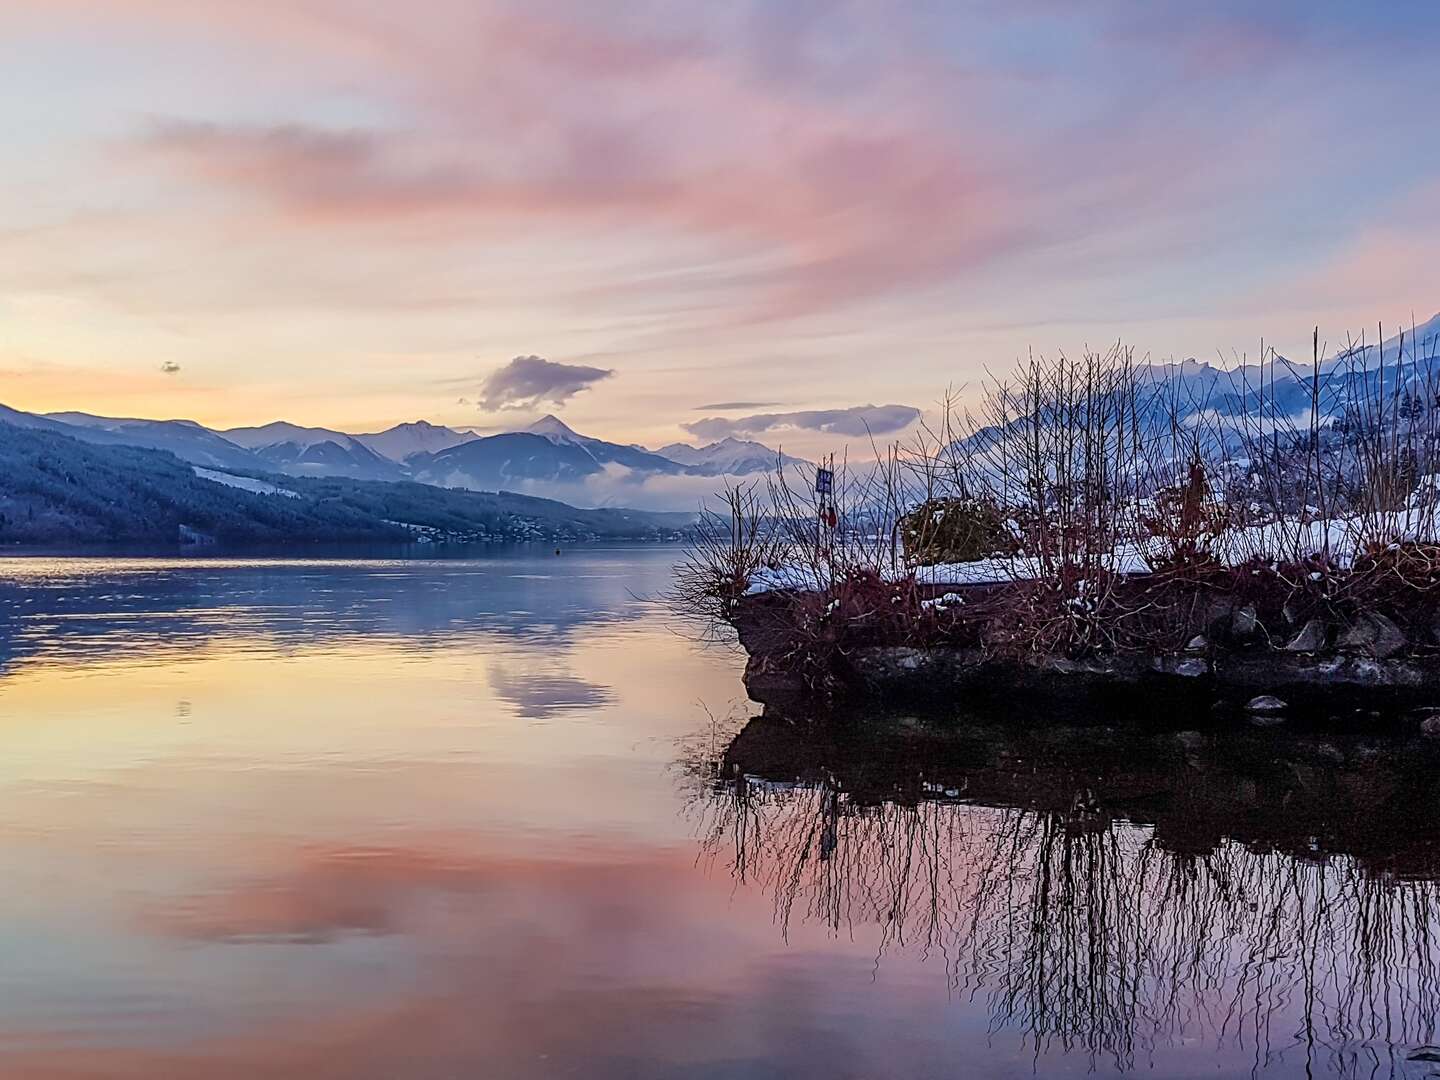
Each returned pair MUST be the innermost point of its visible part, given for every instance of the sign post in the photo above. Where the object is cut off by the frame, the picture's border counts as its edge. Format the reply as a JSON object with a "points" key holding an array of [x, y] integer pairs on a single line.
{"points": [[826, 519]]}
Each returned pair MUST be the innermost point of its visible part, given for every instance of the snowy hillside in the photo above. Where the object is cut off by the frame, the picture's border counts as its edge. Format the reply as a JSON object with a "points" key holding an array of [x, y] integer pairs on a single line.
{"points": [[728, 457], [418, 437], [302, 451]]}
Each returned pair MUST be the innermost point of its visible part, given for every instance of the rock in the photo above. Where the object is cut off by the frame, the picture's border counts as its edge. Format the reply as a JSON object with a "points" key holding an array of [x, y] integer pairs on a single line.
{"points": [[1357, 636], [1374, 634], [1311, 638], [1216, 615], [1267, 719], [1429, 721], [1198, 643], [1192, 668], [1244, 622], [1266, 703], [1391, 639], [1330, 752]]}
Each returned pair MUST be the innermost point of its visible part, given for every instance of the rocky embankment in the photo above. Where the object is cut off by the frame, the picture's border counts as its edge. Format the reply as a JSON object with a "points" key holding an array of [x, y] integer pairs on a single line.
{"points": [[1217, 654]]}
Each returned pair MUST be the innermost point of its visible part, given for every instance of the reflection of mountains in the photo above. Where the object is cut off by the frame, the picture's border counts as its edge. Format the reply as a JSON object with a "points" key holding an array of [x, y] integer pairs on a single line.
{"points": [[1111, 893], [73, 609]]}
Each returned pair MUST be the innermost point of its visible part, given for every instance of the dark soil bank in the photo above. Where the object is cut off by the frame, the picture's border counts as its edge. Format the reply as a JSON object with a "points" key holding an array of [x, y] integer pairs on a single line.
{"points": [[1208, 652]]}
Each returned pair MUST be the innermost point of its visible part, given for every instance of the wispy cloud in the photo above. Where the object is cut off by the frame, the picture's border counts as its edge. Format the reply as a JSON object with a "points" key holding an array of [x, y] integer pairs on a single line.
{"points": [[857, 420], [694, 186], [528, 381]]}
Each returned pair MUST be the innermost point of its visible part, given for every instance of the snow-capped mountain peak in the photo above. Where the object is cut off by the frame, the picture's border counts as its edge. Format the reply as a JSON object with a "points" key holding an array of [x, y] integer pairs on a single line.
{"points": [[1404, 346], [417, 437], [278, 432], [556, 430], [302, 451], [728, 457]]}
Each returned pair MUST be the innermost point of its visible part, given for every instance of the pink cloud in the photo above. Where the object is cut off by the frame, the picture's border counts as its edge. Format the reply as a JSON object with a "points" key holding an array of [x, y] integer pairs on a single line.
{"points": [[836, 207], [806, 194], [679, 171]]}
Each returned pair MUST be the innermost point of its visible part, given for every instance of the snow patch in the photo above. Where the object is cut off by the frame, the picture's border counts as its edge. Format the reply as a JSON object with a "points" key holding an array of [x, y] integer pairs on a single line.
{"points": [[244, 483]]}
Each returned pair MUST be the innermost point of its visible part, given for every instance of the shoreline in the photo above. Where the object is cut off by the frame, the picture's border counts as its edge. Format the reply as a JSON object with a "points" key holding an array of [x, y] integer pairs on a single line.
{"points": [[1213, 654], [316, 550]]}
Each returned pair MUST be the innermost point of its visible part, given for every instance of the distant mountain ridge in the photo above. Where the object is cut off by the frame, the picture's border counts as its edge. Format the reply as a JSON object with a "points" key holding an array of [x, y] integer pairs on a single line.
{"points": [[728, 457], [547, 458], [183, 438], [604, 453], [302, 451], [549, 451], [500, 462], [57, 489], [1273, 394], [417, 437], [1286, 387]]}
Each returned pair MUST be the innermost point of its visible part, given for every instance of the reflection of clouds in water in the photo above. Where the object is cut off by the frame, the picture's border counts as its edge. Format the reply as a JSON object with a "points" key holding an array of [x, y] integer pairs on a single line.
{"points": [[624, 964], [79, 609], [333, 894], [539, 695]]}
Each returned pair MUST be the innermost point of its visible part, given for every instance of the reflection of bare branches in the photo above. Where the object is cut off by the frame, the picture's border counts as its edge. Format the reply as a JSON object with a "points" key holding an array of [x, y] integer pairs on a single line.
{"points": [[1084, 935]]}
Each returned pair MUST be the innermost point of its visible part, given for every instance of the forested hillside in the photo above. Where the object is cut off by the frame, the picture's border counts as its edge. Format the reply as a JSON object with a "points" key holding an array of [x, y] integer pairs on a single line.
{"points": [[54, 489], [490, 515]]}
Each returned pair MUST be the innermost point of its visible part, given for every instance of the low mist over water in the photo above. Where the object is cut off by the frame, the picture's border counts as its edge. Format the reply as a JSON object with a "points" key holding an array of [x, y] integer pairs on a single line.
{"points": [[500, 817]]}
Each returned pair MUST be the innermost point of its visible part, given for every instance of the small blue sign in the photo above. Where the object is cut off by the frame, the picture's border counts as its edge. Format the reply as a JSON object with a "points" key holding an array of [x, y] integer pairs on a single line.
{"points": [[824, 481]]}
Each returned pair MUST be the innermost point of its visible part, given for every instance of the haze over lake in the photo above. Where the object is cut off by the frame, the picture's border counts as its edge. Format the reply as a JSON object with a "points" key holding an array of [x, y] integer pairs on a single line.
{"points": [[473, 817]]}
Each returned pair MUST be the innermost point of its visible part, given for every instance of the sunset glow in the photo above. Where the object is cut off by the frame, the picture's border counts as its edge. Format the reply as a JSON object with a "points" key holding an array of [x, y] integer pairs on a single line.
{"points": [[350, 214]]}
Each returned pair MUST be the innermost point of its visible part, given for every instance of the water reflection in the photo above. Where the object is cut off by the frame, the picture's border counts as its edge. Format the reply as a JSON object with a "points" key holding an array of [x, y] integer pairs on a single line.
{"points": [[60, 608], [538, 695], [365, 820], [57, 613], [1109, 892]]}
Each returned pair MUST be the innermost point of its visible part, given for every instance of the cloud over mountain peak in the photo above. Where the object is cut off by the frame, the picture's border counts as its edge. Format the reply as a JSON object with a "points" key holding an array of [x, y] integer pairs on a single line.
{"points": [[859, 420], [527, 381]]}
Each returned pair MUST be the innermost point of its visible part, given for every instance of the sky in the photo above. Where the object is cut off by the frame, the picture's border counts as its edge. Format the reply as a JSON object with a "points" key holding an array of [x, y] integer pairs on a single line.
{"points": [[675, 221]]}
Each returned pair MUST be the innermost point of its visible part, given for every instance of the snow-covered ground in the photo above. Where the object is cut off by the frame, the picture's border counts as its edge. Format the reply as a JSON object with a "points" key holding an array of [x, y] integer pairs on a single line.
{"points": [[1338, 539], [980, 572], [244, 483]]}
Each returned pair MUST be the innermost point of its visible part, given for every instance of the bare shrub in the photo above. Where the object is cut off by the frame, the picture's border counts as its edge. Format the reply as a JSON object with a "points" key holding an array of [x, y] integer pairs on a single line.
{"points": [[1071, 477], [729, 545]]}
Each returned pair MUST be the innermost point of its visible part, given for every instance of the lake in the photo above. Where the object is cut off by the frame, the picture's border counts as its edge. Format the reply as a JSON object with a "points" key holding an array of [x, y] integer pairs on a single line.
{"points": [[501, 816]]}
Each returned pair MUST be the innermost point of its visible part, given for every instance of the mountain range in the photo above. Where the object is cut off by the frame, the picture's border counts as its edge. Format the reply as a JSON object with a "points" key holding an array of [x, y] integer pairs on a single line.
{"points": [[74, 477], [546, 453], [1274, 393], [56, 489], [403, 470], [1282, 387]]}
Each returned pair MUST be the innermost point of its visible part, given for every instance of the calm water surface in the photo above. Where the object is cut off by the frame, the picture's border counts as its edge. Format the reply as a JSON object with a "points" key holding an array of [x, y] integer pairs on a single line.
{"points": [[497, 817]]}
